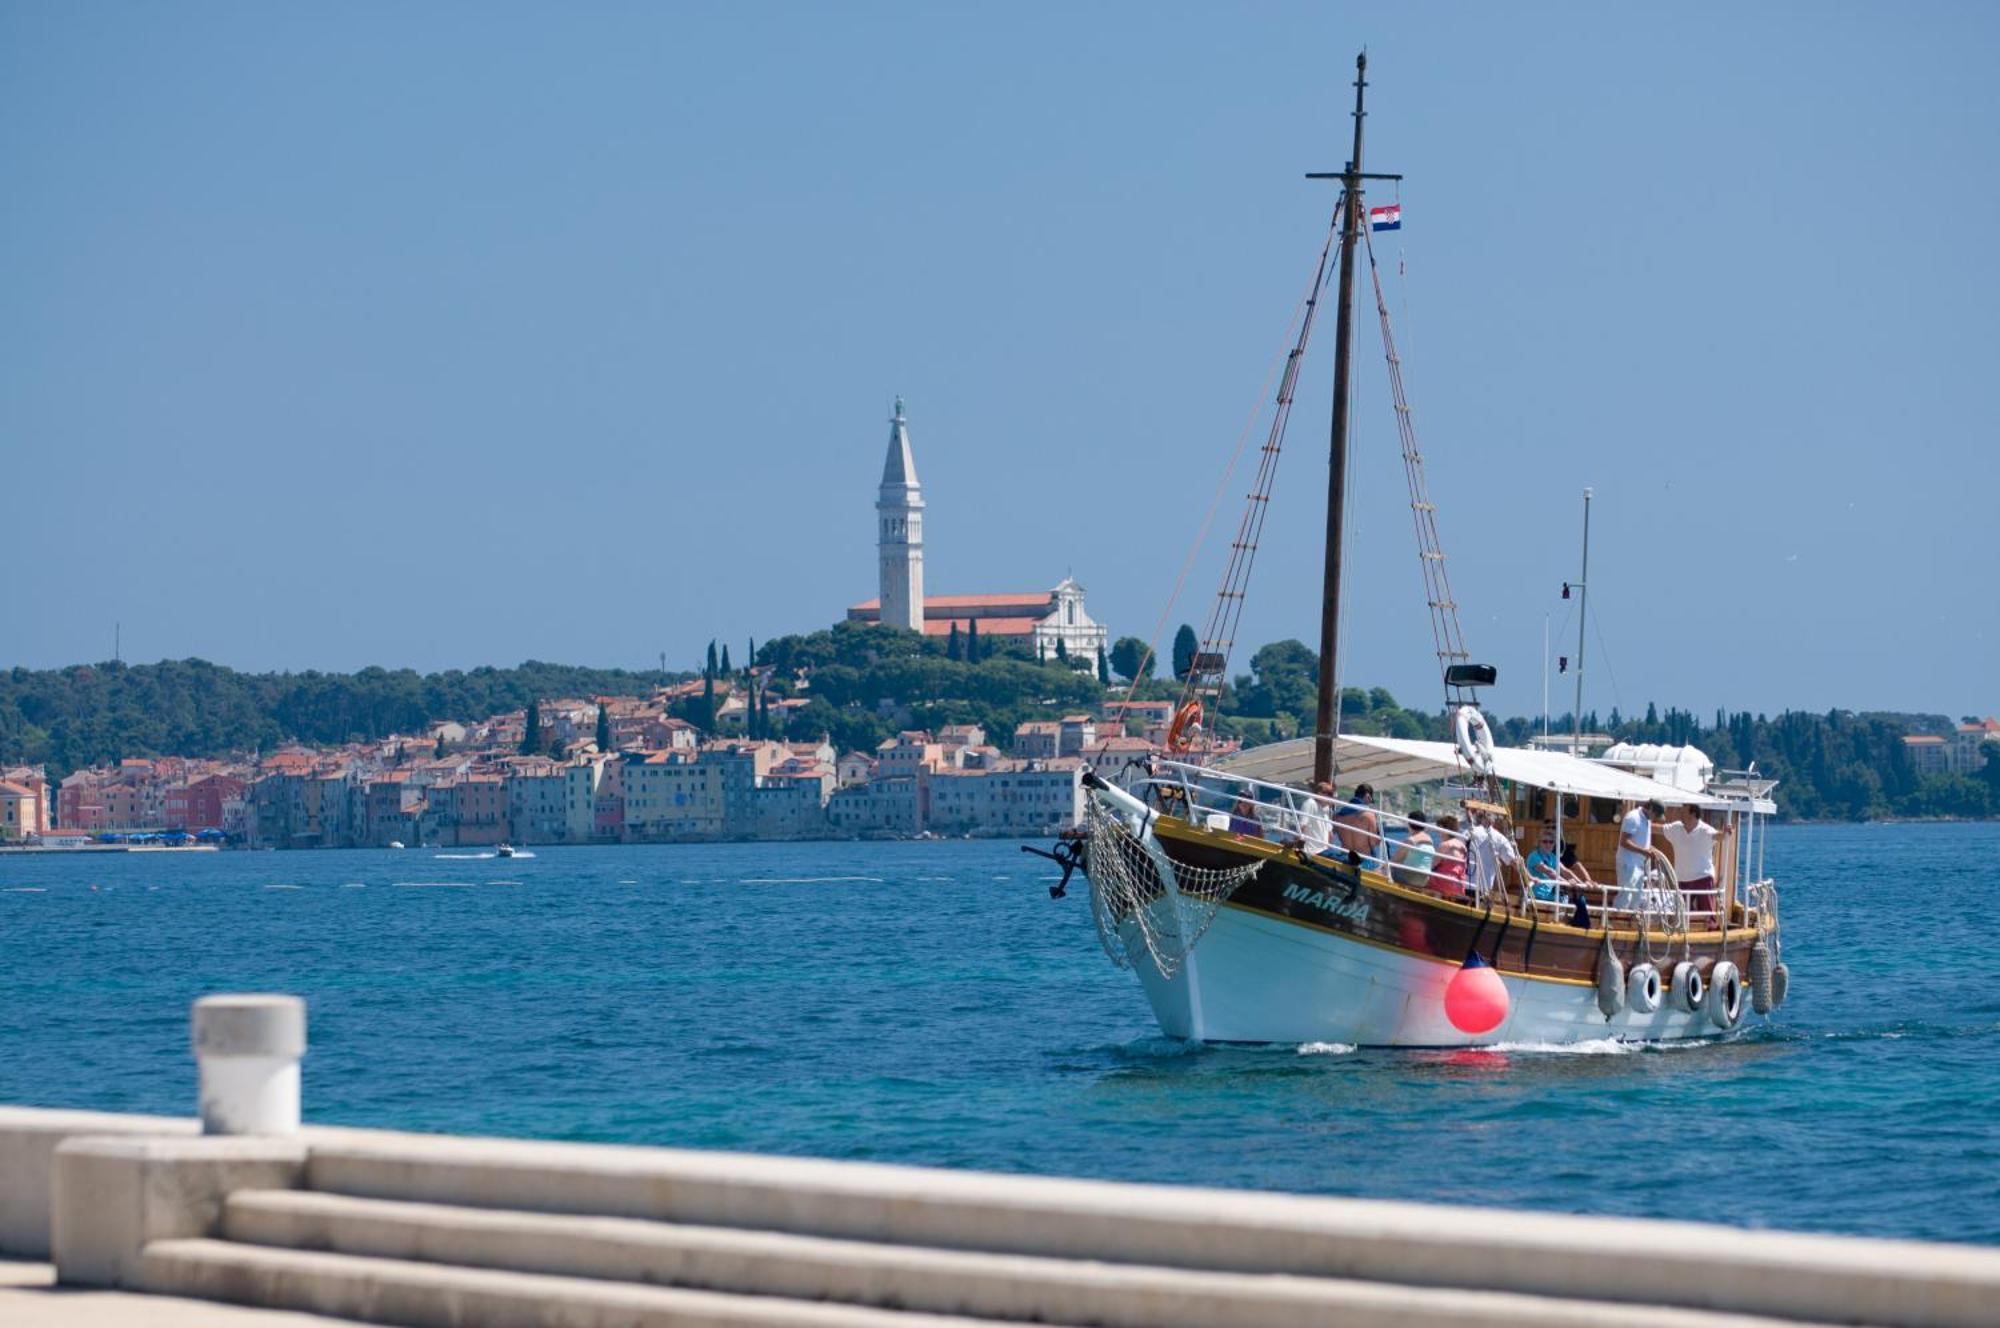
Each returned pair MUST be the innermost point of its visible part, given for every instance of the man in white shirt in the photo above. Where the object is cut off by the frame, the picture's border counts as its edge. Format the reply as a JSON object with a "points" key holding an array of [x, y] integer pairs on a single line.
{"points": [[1693, 842], [1488, 846], [1636, 853]]}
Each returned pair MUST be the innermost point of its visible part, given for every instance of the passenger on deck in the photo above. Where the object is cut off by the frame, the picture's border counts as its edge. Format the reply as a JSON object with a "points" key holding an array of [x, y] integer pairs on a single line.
{"points": [[1636, 853], [1448, 873], [1573, 869], [1316, 819], [1544, 872], [1360, 830], [1693, 842], [1243, 819], [1414, 856], [1489, 847]]}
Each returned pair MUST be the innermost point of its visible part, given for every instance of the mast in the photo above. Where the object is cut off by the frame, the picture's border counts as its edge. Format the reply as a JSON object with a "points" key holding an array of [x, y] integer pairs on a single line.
{"points": [[1582, 619], [1336, 483]]}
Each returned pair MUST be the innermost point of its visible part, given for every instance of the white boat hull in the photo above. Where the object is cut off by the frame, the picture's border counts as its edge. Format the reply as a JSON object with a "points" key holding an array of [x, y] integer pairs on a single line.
{"points": [[1258, 979]]}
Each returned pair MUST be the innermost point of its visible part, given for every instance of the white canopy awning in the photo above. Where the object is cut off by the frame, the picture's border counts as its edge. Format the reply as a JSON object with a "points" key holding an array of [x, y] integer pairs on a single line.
{"points": [[1389, 762]]}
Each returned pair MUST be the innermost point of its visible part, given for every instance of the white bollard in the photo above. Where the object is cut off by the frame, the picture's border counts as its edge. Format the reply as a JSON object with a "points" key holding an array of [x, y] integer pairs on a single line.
{"points": [[248, 1048]]}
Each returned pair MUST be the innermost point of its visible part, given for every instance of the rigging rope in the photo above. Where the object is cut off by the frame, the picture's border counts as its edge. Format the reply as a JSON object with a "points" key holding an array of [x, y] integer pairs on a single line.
{"points": [[1301, 309], [1446, 634], [1211, 665]]}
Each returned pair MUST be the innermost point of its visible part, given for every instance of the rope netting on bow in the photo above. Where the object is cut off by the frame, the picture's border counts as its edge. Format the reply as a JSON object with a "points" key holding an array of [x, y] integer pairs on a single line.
{"points": [[1126, 888]]}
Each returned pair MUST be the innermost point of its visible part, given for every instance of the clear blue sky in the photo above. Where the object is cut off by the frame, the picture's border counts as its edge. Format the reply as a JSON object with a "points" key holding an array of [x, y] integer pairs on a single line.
{"points": [[442, 335]]}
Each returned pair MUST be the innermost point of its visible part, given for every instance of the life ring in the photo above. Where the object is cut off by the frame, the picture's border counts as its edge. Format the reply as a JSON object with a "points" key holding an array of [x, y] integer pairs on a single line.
{"points": [[1475, 740], [1687, 988], [1725, 996], [1642, 989], [1186, 723]]}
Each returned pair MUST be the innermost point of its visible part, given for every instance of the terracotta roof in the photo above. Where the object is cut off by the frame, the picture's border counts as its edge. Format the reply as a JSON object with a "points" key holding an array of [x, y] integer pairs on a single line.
{"points": [[988, 627], [15, 789], [1924, 738], [1040, 599]]}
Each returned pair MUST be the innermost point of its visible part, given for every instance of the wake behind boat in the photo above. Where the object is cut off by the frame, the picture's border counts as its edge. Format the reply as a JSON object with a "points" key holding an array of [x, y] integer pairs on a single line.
{"points": [[1256, 907]]}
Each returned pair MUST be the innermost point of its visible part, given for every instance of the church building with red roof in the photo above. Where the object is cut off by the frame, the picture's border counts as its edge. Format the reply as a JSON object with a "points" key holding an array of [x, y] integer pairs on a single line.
{"points": [[1041, 618]]}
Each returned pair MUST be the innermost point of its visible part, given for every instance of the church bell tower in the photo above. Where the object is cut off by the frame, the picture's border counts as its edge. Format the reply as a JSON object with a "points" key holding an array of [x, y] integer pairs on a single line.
{"points": [[899, 514]]}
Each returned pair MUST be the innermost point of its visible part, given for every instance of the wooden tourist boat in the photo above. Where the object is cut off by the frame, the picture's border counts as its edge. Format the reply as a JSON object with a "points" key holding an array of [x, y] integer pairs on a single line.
{"points": [[1223, 881]]}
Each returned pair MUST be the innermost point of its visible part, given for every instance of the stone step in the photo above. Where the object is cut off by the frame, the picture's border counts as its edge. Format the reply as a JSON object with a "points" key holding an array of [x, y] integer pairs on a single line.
{"points": [[1695, 1266], [1008, 1287], [422, 1295]]}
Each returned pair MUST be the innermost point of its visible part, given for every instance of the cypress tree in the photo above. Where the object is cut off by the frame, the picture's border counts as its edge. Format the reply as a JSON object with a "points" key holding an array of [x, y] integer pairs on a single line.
{"points": [[708, 702], [1062, 651], [1185, 646], [531, 739], [710, 671], [603, 728], [725, 658], [952, 649], [440, 746], [1103, 667], [972, 641]]}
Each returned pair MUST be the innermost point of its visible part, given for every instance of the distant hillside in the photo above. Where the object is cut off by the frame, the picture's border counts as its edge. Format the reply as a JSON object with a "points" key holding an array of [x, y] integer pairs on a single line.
{"points": [[93, 714], [862, 684]]}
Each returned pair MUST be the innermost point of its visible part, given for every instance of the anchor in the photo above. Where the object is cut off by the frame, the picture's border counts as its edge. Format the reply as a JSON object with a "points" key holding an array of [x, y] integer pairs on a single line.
{"points": [[1069, 855]]}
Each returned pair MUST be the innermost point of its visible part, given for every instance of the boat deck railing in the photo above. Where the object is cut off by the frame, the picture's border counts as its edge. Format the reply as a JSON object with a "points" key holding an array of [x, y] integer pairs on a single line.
{"points": [[1294, 817]]}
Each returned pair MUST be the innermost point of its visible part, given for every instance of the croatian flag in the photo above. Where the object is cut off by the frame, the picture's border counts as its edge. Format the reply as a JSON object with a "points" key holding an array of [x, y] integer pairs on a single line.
{"points": [[1386, 218]]}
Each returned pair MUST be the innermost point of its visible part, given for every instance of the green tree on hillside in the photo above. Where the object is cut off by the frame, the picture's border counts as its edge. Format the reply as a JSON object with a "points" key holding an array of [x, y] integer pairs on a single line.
{"points": [[603, 728], [1185, 646], [1103, 667], [531, 737], [1129, 655]]}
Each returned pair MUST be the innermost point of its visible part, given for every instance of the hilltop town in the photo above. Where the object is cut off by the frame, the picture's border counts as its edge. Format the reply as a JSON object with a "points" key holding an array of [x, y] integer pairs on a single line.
{"points": [[609, 769]]}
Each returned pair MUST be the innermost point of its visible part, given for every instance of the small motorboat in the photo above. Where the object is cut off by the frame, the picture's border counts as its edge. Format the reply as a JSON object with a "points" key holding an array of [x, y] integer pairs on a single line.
{"points": [[503, 851]]}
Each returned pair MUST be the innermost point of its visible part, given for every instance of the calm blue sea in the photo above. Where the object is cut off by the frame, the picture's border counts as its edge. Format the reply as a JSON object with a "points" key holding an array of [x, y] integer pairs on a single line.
{"points": [[929, 1003]]}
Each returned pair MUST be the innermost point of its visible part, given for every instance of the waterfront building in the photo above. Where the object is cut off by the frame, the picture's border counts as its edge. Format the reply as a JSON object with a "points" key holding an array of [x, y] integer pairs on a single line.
{"points": [[1016, 797], [394, 804], [1962, 751], [20, 812], [583, 782], [1928, 753], [671, 795], [1074, 733], [880, 806], [1126, 762], [204, 804], [907, 755], [854, 768], [538, 802], [78, 805], [1968, 745], [33, 779], [1038, 740]]}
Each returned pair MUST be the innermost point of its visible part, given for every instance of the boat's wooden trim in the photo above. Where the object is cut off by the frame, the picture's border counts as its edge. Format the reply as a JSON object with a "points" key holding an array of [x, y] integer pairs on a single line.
{"points": [[1322, 895]]}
